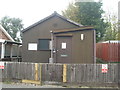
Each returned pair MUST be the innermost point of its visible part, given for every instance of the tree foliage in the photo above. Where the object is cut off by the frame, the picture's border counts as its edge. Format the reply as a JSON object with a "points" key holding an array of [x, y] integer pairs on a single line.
{"points": [[71, 12], [88, 13], [13, 26], [112, 30]]}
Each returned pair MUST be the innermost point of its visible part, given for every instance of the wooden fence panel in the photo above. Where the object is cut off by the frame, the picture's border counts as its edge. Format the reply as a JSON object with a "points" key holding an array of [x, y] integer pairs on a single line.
{"points": [[28, 69], [21, 73], [116, 73], [109, 52], [87, 73], [18, 72], [59, 72], [90, 73], [76, 73], [52, 72], [4, 71], [44, 74], [9, 70], [14, 70]]}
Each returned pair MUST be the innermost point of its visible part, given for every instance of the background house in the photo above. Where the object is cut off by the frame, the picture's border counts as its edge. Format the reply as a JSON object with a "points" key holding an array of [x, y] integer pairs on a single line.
{"points": [[8, 47], [37, 37]]}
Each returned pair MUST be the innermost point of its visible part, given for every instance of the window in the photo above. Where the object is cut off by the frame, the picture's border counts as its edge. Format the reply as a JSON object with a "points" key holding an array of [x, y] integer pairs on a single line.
{"points": [[43, 44], [63, 46], [32, 46]]}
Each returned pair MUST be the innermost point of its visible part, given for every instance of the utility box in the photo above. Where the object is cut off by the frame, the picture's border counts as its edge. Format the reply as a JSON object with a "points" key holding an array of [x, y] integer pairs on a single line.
{"points": [[50, 60]]}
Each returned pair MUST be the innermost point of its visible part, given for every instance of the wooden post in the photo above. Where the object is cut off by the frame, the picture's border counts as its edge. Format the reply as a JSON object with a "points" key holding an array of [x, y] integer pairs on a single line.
{"points": [[40, 74], [64, 73], [2, 50], [36, 71]]}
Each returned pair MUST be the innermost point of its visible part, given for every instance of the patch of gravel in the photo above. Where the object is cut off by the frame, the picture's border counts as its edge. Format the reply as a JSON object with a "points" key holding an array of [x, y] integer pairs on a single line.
{"points": [[23, 85]]}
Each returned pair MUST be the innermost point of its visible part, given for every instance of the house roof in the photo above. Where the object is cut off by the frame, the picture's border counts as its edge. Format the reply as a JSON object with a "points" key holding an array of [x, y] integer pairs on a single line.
{"points": [[52, 15], [111, 41], [12, 42], [6, 33], [74, 29]]}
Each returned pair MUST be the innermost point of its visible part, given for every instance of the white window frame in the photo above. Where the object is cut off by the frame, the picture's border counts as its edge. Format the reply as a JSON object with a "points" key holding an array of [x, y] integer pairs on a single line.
{"points": [[32, 46]]}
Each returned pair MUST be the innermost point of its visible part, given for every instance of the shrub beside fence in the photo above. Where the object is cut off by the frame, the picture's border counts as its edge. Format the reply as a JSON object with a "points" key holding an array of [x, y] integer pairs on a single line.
{"points": [[72, 73], [109, 52]]}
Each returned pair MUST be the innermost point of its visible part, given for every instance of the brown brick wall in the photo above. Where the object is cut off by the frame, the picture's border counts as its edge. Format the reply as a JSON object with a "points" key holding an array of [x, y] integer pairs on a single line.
{"points": [[3, 36]]}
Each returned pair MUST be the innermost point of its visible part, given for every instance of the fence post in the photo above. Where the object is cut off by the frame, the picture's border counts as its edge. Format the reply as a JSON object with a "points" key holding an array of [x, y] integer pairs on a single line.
{"points": [[64, 72], [40, 74], [36, 71], [36, 80]]}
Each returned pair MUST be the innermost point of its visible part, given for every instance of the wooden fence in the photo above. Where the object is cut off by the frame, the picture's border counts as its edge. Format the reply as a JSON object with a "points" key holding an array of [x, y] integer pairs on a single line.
{"points": [[109, 52], [65, 73]]}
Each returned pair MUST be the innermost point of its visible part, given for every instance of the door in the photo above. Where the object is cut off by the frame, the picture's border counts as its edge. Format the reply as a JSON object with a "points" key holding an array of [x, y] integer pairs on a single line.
{"points": [[64, 49]]}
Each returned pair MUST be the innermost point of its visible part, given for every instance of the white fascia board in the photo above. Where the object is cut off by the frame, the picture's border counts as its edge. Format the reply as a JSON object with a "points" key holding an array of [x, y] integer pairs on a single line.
{"points": [[2, 40], [6, 33]]}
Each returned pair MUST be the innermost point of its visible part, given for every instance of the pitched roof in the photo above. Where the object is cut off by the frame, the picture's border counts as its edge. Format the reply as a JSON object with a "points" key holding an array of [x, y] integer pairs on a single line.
{"points": [[6, 33], [52, 15]]}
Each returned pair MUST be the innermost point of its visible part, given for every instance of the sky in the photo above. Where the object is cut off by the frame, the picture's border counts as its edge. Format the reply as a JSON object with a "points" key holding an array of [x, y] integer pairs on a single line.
{"points": [[31, 11]]}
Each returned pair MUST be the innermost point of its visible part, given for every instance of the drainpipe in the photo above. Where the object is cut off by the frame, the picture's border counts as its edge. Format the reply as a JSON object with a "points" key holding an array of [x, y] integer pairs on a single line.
{"points": [[51, 59], [94, 46], [11, 51], [94, 33]]}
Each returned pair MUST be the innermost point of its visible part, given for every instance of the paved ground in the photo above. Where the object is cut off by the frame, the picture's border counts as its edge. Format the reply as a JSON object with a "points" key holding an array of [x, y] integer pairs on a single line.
{"points": [[23, 85]]}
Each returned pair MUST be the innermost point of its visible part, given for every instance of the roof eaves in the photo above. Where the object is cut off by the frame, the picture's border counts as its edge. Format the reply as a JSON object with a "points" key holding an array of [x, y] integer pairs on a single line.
{"points": [[12, 42], [68, 20], [74, 29]]}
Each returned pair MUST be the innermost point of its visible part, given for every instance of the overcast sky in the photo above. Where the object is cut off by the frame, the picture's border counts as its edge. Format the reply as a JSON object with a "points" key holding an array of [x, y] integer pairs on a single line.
{"points": [[31, 11]]}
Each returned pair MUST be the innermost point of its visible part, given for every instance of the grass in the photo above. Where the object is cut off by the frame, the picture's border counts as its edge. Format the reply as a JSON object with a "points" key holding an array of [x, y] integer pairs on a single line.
{"points": [[100, 61], [7, 82]]}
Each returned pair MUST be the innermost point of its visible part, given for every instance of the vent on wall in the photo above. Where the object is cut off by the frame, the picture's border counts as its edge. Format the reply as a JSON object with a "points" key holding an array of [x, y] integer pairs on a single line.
{"points": [[82, 36], [55, 25]]}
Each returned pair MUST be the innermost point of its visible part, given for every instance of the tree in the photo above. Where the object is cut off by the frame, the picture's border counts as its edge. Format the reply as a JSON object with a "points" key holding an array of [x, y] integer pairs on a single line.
{"points": [[13, 26], [88, 13], [71, 12], [112, 29]]}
